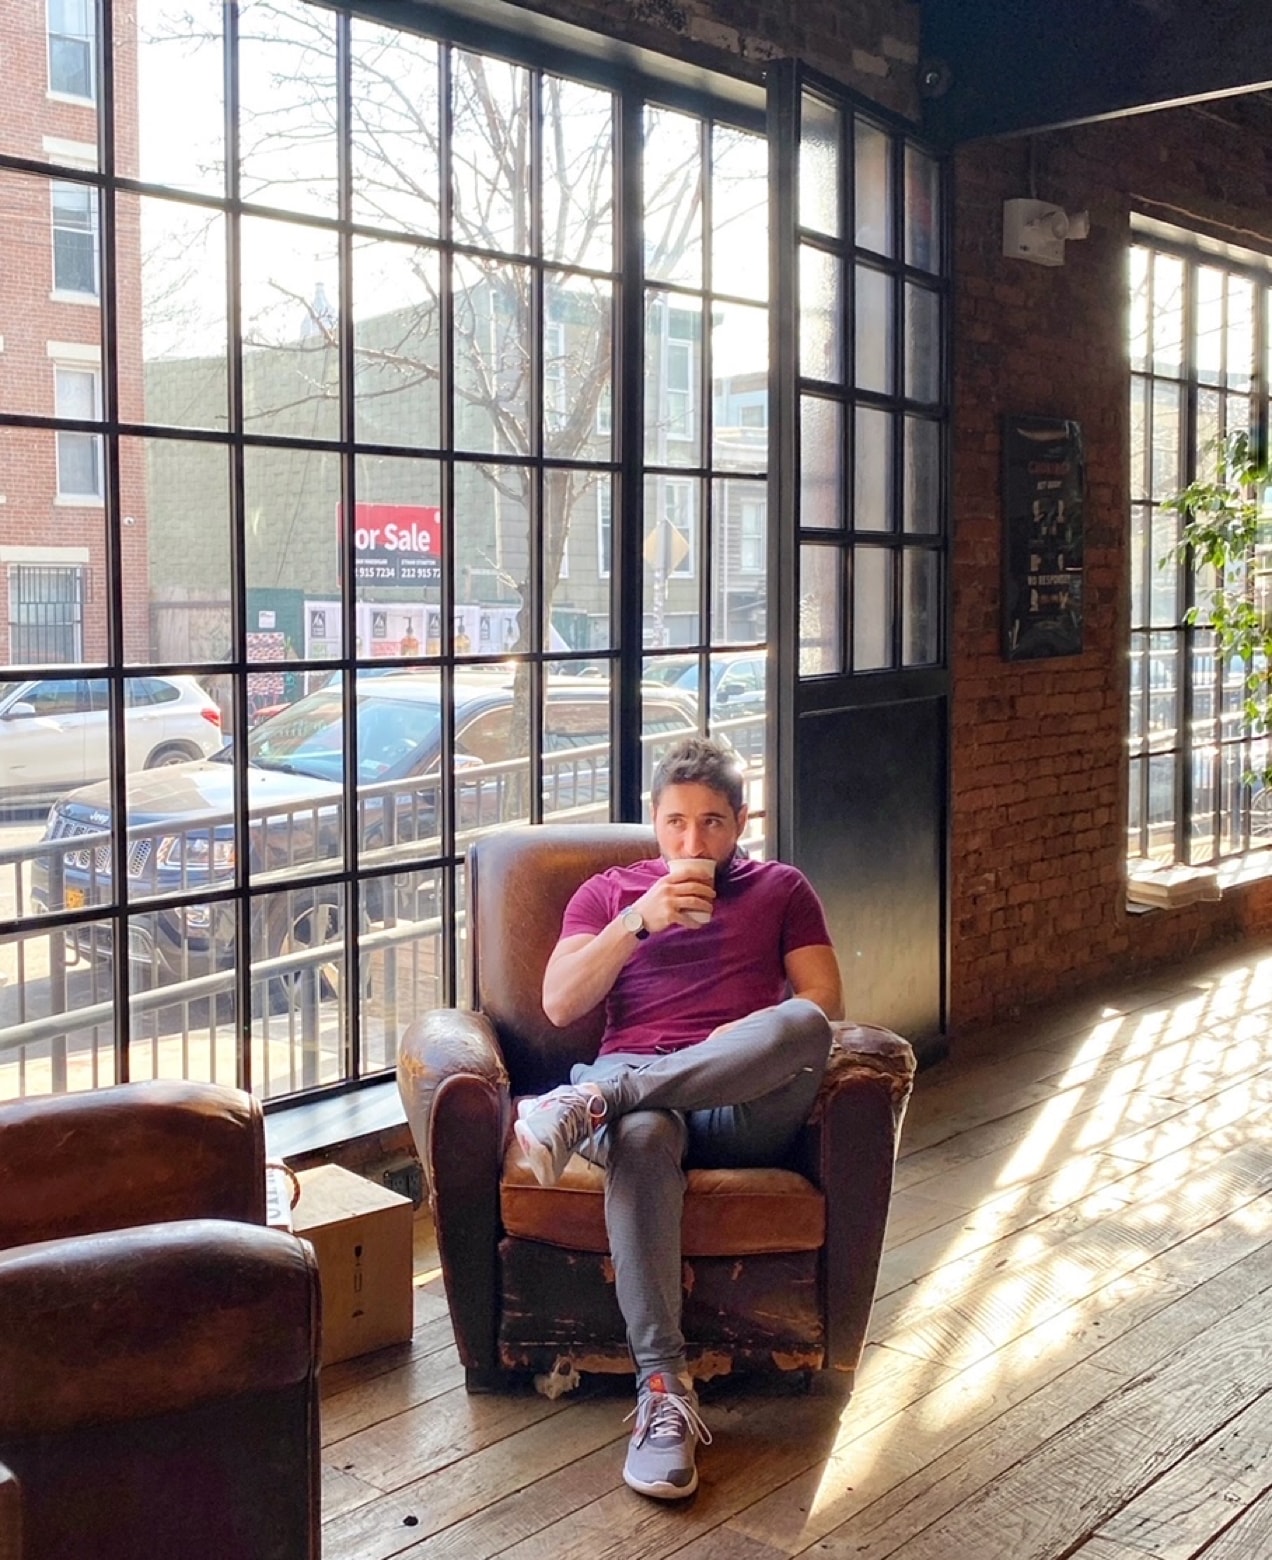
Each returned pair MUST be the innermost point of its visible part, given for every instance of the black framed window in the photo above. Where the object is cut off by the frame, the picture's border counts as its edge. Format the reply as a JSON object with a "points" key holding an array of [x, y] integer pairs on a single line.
{"points": [[1199, 349], [871, 400], [424, 408]]}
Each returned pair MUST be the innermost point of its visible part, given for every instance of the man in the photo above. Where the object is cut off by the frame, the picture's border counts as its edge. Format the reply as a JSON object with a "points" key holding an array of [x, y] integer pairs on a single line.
{"points": [[717, 1000]]}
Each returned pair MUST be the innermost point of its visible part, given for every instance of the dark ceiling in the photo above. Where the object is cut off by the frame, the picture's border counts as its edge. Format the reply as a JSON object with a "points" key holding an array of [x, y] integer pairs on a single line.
{"points": [[1003, 67]]}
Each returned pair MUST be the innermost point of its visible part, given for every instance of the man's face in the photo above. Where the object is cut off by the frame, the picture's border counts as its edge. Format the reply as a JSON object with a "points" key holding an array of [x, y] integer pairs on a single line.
{"points": [[694, 820]]}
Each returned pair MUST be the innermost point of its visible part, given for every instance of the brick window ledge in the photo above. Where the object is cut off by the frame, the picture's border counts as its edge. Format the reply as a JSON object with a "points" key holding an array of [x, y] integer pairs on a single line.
{"points": [[1171, 887]]}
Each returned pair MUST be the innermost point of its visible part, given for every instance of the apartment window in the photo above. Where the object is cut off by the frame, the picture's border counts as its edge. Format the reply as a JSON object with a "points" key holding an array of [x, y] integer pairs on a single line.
{"points": [[79, 454], [72, 39], [751, 517], [1199, 345], [75, 254], [46, 615]]}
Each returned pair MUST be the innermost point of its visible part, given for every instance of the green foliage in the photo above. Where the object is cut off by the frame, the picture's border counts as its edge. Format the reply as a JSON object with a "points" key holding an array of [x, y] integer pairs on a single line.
{"points": [[1225, 535]]}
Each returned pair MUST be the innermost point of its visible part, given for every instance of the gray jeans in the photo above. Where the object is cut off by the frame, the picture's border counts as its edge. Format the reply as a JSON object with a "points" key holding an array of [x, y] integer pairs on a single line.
{"points": [[735, 1100]]}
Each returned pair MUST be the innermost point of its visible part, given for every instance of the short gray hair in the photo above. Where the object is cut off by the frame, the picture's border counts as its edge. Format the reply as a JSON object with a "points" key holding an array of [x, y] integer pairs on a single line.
{"points": [[699, 761]]}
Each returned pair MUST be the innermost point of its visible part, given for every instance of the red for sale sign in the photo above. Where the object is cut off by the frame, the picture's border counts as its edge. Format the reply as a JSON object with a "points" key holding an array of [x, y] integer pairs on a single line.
{"points": [[395, 544]]}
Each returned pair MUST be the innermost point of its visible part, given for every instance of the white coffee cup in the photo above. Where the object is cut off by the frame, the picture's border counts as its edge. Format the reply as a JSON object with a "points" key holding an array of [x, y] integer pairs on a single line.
{"points": [[703, 871]]}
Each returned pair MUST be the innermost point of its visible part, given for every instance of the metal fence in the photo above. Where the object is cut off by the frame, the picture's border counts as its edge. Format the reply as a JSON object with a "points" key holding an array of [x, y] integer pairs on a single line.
{"points": [[186, 931]]}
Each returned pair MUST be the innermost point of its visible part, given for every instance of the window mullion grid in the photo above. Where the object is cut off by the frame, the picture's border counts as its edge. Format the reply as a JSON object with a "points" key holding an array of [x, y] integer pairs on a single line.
{"points": [[244, 916], [108, 411], [847, 247], [352, 887], [446, 402], [538, 608], [1185, 632], [704, 548], [900, 305], [626, 530]]}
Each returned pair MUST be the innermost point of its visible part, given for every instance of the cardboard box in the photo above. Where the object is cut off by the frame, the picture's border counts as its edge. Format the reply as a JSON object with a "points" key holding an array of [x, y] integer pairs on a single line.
{"points": [[362, 1234]]}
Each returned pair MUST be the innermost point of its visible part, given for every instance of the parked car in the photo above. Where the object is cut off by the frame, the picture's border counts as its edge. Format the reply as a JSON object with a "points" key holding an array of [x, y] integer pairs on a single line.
{"points": [[55, 732], [180, 821], [738, 693]]}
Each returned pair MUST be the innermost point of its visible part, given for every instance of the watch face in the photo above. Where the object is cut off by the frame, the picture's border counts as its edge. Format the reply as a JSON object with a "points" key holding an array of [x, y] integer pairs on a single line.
{"points": [[633, 921]]}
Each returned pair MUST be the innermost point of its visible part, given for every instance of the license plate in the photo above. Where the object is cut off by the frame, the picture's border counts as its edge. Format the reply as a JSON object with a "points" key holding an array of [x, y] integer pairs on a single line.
{"points": [[74, 898]]}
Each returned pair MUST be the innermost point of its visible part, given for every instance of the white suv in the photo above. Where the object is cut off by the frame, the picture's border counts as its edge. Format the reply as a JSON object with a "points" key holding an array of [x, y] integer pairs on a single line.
{"points": [[55, 732]]}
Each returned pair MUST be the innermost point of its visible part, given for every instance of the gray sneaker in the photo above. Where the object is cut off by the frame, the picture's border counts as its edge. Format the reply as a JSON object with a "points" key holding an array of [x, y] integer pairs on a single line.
{"points": [[551, 1126], [660, 1454]]}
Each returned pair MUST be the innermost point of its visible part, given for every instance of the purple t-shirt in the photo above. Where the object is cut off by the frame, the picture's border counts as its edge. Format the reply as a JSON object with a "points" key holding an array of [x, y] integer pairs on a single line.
{"points": [[681, 983]]}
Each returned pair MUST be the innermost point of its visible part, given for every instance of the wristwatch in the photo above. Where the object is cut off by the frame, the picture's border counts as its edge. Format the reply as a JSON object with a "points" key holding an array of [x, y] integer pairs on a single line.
{"points": [[634, 921]]}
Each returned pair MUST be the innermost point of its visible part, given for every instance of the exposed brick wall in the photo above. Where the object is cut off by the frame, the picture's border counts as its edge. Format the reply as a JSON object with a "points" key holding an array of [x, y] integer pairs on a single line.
{"points": [[30, 515], [869, 45], [1039, 786]]}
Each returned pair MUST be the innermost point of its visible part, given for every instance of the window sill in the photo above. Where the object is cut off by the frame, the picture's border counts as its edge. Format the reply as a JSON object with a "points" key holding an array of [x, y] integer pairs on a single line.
{"points": [[321, 1125], [1170, 888]]}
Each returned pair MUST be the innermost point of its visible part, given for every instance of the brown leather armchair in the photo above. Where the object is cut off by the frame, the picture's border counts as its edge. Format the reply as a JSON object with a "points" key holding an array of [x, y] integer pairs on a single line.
{"points": [[780, 1263], [158, 1345]]}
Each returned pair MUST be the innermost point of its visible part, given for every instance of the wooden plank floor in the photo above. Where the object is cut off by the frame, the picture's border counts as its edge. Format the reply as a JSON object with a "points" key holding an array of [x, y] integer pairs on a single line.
{"points": [[1071, 1351]]}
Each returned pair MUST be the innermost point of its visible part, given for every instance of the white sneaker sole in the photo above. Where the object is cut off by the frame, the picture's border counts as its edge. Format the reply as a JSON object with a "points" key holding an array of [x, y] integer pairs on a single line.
{"points": [[539, 1157], [661, 1490]]}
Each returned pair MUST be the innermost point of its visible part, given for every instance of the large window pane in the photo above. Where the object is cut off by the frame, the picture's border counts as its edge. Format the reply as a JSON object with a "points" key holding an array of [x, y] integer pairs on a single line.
{"points": [[673, 380], [492, 307], [871, 608], [397, 344], [578, 343], [178, 54], [739, 210], [820, 165], [670, 552], [922, 210], [490, 171], [183, 377], [921, 497], [873, 187], [821, 457], [739, 376], [673, 172], [921, 607], [177, 530], [872, 469], [874, 330], [291, 330], [287, 97], [578, 513], [394, 133], [578, 179], [820, 305], [820, 611], [739, 511]]}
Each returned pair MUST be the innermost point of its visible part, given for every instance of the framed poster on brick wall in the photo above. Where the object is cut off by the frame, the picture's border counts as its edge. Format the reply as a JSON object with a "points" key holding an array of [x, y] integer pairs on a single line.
{"points": [[1043, 481]]}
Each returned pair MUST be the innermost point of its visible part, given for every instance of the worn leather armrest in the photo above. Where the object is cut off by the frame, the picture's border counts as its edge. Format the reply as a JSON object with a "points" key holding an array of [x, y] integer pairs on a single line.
{"points": [[134, 1153], [454, 1088], [848, 1149], [146, 1321], [865, 1054]]}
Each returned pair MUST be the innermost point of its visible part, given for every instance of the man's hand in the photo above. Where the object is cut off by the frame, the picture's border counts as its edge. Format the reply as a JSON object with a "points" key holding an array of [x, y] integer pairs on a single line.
{"points": [[675, 902]]}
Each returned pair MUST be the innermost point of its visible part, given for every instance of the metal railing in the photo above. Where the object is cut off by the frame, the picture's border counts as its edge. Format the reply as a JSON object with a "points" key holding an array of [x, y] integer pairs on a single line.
{"points": [[59, 1021]]}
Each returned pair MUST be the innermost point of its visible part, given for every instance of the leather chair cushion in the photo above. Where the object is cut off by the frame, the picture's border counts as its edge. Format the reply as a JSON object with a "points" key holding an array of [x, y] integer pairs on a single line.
{"points": [[727, 1212]]}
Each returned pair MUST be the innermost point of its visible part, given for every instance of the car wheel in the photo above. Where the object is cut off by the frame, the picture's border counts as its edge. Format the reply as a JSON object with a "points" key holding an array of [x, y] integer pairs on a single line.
{"points": [[170, 753], [298, 924]]}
